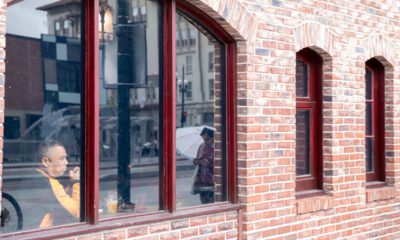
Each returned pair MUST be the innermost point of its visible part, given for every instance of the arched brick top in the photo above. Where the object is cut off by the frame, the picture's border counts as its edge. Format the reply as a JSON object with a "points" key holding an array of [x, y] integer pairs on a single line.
{"points": [[313, 34], [380, 47], [232, 16]]}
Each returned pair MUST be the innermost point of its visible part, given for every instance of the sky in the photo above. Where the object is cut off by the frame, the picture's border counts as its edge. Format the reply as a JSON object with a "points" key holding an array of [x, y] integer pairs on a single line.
{"points": [[23, 18]]}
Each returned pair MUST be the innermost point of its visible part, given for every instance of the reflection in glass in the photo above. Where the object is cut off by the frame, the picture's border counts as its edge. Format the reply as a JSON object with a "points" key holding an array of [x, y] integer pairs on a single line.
{"points": [[369, 140], [42, 112], [301, 79], [302, 142], [368, 119], [369, 153], [130, 79], [200, 171], [368, 84]]}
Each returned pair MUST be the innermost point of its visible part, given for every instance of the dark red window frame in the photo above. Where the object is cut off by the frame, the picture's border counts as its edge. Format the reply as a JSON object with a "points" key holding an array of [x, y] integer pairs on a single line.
{"points": [[169, 93], [312, 102], [90, 188], [377, 101]]}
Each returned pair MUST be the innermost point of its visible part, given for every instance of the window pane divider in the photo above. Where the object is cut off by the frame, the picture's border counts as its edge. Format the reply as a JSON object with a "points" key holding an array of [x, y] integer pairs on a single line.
{"points": [[169, 110], [91, 119]]}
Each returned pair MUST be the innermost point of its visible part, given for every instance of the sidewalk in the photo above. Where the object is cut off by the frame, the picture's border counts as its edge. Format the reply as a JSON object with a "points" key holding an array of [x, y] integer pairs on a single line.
{"points": [[148, 167]]}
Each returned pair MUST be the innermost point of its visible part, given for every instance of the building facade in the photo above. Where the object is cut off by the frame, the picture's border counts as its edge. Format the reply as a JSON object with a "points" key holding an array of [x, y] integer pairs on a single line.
{"points": [[303, 97]]}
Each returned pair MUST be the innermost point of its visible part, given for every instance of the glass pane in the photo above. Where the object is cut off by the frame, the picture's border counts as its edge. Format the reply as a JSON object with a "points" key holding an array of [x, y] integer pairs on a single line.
{"points": [[369, 154], [130, 80], [301, 79], [368, 84], [200, 168], [302, 142], [368, 119], [42, 138]]}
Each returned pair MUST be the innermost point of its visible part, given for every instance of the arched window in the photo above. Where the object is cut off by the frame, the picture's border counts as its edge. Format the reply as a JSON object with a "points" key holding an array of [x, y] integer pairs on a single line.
{"points": [[130, 109], [375, 120], [308, 120]]}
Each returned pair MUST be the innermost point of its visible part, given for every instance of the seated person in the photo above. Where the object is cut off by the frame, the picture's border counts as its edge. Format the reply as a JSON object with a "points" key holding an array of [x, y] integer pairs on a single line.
{"points": [[54, 205]]}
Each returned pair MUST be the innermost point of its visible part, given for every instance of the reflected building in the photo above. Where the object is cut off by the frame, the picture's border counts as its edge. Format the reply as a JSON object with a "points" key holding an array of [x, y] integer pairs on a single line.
{"points": [[22, 109], [195, 74], [56, 75]]}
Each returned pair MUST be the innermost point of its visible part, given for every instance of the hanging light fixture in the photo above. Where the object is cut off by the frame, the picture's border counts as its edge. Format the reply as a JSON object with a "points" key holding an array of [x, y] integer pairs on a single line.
{"points": [[105, 21]]}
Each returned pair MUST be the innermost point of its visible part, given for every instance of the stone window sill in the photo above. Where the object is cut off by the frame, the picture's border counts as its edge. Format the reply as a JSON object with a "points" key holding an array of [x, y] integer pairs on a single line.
{"points": [[313, 201], [374, 194]]}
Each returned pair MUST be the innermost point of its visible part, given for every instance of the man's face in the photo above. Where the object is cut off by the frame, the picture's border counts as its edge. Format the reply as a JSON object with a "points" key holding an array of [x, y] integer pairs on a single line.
{"points": [[55, 161]]}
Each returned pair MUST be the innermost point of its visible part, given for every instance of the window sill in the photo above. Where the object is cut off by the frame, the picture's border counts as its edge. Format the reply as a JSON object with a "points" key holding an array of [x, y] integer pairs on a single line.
{"points": [[121, 222], [377, 192], [313, 201]]}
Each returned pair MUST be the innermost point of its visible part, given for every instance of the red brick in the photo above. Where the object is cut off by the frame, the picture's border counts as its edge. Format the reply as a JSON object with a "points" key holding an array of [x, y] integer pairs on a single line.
{"points": [[180, 224], [159, 227], [185, 233], [115, 235], [169, 236], [138, 231], [198, 221], [92, 237]]}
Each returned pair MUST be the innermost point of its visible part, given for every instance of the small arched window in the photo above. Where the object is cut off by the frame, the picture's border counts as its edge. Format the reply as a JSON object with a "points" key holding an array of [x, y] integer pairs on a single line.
{"points": [[375, 120], [308, 120]]}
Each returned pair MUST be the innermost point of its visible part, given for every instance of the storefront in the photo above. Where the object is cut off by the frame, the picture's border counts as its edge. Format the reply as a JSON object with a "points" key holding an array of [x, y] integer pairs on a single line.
{"points": [[170, 119]]}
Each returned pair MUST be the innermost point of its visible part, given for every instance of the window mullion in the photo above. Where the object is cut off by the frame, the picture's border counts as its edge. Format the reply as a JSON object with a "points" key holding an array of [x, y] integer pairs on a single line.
{"points": [[169, 111], [91, 119]]}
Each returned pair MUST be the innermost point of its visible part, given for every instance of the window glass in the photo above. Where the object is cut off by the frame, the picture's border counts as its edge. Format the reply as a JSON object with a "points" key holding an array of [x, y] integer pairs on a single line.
{"points": [[375, 120], [211, 61], [369, 140], [130, 109], [301, 79], [368, 119], [369, 153], [189, 64], [184, 36], [211, 88], [192, 33], [302, 142], [368, 84], [200, 166], [42, 154]]}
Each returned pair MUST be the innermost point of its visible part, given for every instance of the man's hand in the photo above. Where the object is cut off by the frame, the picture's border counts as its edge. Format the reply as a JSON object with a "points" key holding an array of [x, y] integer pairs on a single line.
{"points": [[75, 174]]}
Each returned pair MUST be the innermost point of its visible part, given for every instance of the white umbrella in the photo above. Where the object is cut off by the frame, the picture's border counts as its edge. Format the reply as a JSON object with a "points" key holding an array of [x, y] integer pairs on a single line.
{"points": [[188, 140]]}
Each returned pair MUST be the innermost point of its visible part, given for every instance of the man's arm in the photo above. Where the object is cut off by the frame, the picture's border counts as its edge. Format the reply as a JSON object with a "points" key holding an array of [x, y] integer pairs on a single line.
{"points": [[69, 203]]}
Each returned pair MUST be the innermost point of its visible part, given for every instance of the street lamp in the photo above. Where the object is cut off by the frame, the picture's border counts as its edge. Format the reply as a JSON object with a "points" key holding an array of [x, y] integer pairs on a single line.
{"points": [[183, 89]]}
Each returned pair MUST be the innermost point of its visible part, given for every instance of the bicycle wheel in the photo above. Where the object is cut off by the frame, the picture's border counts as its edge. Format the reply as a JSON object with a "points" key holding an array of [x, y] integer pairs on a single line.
{"points": [[11, 214]]}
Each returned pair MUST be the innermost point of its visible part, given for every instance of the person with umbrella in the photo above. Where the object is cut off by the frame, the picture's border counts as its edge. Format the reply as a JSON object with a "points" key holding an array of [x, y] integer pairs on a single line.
{"points": [[204, 161]]}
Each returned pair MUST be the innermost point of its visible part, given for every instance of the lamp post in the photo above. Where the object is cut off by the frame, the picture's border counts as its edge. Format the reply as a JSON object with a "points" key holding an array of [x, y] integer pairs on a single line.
{"points": [[183, 89]]}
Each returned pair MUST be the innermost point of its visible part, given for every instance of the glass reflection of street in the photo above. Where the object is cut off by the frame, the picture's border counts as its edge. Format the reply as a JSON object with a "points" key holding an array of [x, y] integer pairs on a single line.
{"points": [[144, 189]]}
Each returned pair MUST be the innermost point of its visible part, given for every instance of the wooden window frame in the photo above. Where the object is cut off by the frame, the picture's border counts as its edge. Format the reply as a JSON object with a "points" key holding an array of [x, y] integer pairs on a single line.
{"points": [[312, 102], [90, 136], [378, 120]]}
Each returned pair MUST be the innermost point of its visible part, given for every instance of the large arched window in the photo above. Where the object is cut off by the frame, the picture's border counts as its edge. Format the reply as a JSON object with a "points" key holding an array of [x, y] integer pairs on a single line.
{"points": [[375, 120], [141, 95], [308, 120]]}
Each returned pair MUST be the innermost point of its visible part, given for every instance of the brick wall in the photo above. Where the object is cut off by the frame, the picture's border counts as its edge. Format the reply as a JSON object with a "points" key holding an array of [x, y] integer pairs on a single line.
{"points": [[346, 34], [213, 227]]}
